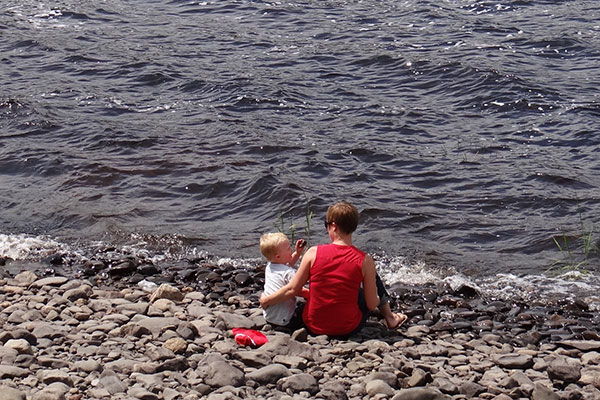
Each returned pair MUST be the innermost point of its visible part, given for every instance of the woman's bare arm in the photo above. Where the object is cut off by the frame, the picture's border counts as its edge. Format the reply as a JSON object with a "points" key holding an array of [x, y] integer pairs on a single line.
{"points": [[369, 283]]}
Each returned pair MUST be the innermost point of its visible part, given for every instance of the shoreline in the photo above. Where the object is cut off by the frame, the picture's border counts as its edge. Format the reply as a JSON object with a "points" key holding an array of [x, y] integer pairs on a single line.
{"points": [[91, 338]]}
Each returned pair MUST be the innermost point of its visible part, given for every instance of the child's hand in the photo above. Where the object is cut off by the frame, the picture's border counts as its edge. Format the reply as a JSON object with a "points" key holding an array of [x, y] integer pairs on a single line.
{"points": [[300, 244], [261, 300]]}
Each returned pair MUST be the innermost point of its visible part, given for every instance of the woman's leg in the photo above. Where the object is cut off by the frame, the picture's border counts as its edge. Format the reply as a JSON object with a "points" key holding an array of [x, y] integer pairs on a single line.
{"points": [[391, 319]]}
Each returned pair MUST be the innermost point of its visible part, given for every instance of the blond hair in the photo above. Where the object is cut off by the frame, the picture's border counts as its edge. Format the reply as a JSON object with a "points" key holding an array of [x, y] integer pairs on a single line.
{"points": [[269, 242]]}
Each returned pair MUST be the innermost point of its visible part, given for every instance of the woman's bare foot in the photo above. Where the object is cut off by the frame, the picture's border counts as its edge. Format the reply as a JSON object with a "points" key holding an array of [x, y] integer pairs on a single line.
{"points": [[395, 321]]}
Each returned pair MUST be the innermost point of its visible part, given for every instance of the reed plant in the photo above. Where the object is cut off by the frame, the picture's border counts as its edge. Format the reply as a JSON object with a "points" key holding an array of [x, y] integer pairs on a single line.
{"points": [[290, 230], [575, 250]]}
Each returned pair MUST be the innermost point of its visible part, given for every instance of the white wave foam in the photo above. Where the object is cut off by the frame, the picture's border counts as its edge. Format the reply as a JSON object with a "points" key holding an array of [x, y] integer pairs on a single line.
{"points": [[20, 247], [538, 288]]}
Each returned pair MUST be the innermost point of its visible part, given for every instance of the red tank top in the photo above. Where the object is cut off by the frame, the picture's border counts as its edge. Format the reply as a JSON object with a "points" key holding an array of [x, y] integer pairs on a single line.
{"points": [[335, 280]]}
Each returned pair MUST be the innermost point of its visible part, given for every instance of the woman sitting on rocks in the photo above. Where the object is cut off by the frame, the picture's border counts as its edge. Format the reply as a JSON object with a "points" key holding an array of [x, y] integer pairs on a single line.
{"points": [[344, 286]]}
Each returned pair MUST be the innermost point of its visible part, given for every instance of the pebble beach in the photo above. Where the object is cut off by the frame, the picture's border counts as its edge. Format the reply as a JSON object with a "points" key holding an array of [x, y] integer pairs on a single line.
{"points": [[78, 338]]}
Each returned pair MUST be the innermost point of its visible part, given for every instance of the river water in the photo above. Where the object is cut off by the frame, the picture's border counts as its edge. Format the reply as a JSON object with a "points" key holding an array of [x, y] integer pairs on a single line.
{"points": [[466, 132]]}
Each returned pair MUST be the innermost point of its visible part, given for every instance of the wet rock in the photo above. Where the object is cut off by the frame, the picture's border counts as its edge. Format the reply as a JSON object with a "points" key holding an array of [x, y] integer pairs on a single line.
{"points": [[243, 279], [122, 268]]}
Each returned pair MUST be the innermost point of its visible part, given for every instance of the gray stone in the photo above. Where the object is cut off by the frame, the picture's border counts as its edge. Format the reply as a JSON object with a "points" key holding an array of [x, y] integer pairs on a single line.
{"points": [[255, 358], [175, 364], [53, 362], [269, 374], [332, 391], [131, 309], [82, 292], [25, 278], [9, 372], [564, 369], [9, 393], [87, 366], [235, 321], [171, 394], [45, 330], [299, 383], [221, 373], [378, 387], [22, 346], [284, 345], [418, 378], [419, 394], [541, 392], [54, 391], [142, 394], [446, 386], [513, 361], [471, 389], [50, 281], [291, 361], [388, 377], [55, 375], [111, 382], [583, 345], [155, 325], [516, 379]]}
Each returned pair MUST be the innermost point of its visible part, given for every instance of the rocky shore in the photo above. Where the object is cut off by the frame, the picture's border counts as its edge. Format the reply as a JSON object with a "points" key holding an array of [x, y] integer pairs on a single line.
{"points": [[84, 337]]}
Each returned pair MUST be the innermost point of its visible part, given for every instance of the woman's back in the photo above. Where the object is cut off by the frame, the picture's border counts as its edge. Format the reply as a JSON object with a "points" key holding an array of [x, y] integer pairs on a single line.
{"points": [[335, 280]]}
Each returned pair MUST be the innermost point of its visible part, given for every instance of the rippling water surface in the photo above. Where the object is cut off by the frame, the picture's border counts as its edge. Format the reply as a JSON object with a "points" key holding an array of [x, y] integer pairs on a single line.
{"points": [[466, 132]]}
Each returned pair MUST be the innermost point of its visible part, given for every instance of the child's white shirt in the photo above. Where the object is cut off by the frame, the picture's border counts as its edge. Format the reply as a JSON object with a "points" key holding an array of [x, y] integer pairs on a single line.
{"points": [[277, 276]]}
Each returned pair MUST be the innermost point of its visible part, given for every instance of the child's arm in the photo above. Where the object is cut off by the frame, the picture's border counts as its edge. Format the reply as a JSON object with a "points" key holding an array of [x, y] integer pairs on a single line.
{"points": [[300, 243], [296, 286]]}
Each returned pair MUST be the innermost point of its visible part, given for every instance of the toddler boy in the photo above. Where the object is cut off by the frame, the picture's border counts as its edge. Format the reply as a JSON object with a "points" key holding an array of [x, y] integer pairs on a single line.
{"points": [[277, 250]]}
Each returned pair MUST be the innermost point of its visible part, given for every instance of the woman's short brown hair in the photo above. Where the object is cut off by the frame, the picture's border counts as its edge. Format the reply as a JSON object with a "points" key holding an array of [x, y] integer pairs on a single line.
{"points": [[345, 216]]}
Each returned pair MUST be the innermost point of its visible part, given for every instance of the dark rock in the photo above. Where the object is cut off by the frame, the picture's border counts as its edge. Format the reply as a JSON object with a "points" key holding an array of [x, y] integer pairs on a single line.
{"points": [[122, 268], [243, 279], [466, 291], [54, 259], [147, 269], [175, 364]]}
